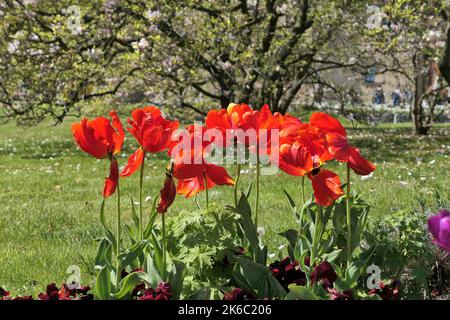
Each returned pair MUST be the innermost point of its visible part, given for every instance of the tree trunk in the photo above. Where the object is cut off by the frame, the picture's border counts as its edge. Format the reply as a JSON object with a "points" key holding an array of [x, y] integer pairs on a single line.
{"points": [[420, 87], [445, 61]]}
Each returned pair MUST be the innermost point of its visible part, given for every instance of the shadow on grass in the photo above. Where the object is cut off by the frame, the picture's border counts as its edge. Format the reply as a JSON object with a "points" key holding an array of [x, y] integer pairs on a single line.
{"points": [[400, 144]]}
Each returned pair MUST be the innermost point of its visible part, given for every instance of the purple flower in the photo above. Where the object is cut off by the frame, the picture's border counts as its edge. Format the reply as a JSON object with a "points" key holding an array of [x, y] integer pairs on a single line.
{"points": [[324, 272], [288, 272], [162, 292], [337, 295], [387, 291], [239, 294], [439, 226]]}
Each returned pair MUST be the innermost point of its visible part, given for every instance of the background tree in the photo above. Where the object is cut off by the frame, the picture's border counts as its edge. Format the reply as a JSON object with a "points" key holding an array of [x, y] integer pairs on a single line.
{"points": [[191, 54], [445, 61], [408, 41]]}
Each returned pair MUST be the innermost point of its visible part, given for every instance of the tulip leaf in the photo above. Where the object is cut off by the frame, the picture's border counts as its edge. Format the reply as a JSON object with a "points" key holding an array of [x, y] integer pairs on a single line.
{"points": [[131, 234], [292, 236], [103, 284], [152, 271], [111, 239], [249, 190], [300, 293], [258, 278], [127, 257], [157, 253], [292, 204], [332, 256], [151, 220], [102, 213], [134, 214], [129, 282], [353, 273], [359, 229], [176, 278], [104, 253], [201, 294]]}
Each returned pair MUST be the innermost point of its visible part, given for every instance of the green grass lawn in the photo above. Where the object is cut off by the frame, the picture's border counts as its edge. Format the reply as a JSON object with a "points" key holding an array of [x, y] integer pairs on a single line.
{"points": [[51, 193]]}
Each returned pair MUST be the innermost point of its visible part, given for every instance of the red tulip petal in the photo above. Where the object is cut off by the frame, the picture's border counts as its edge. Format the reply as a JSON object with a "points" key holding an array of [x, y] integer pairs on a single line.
{"points": [[190, 187], [188, 171], [359, 164], [218, 175], [120, 134], [338, 146], [151, 130], [326, 185], [86, 138], [217, 119], [295, 160], [327, 123], [168, 193], [134, 162], [236, 113], [113, 179]]}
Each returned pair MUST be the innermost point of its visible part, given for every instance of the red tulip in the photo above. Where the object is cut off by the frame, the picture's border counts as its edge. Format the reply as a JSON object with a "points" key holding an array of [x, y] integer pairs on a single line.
{"points": [[303, 151], [215, 175], [152, 132], [167, 193], [102, 139], [297, 160], [338, 145], [191, 169], [263, 122], [236, 113], [242, 117], [218, 119], [326, 186], [227, 120]]}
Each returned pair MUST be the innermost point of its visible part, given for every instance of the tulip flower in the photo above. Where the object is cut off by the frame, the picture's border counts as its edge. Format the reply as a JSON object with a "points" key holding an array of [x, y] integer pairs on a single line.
{"points": [[249, 127], [154, 134], [102, 140], [227, 121], [439, 226], [167, 196], [230, 118], [193, 172], [339, 147], [303, 151], [168, 192], [263, 122]]}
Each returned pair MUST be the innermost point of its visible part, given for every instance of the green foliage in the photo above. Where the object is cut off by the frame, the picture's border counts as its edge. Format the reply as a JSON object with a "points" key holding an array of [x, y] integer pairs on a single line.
{"points": [[403, 250], [257, 278], [43, 239], [205, 240]]}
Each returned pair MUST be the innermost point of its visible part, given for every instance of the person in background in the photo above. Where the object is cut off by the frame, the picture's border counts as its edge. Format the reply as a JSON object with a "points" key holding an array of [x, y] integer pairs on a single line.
{"points": [[379, 95], [396, 97], [407, 97]]}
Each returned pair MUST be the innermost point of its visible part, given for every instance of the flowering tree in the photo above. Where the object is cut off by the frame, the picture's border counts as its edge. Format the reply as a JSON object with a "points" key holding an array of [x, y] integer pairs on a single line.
{"points": [[53, 55], [445, 61], [408, 36]]}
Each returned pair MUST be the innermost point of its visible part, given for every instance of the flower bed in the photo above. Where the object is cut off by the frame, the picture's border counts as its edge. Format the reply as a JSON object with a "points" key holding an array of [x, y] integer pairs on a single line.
{"points": [[219, 252]]}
